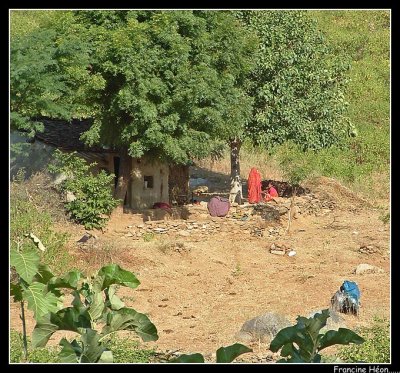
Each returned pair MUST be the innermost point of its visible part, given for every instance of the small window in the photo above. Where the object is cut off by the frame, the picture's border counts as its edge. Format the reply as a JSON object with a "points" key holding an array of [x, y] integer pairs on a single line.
{"points": [[148, 182]]}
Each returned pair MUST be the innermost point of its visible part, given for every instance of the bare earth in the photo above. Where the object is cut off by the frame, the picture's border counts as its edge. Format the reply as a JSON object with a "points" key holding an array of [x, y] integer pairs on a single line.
{"points": [[198, 289]]}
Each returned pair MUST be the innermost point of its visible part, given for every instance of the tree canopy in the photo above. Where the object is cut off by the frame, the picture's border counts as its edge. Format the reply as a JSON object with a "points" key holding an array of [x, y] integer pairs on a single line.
{"points": [[173, 81], [298, 84], [179, 84], [49, 73]]}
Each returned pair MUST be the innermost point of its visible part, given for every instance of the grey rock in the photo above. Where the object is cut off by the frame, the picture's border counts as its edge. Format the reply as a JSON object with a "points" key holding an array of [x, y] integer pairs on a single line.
{"points": [[262, 328]]}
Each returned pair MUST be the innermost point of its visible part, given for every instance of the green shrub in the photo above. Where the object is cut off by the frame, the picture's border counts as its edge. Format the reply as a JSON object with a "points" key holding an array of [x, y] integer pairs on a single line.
{"points": [[127, 350], [94, 201], [27, 217], [36, 355], [376, 348]]}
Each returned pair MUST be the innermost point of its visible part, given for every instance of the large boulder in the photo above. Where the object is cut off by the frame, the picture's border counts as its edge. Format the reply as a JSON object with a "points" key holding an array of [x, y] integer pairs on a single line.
{"points": [[262, 328]]}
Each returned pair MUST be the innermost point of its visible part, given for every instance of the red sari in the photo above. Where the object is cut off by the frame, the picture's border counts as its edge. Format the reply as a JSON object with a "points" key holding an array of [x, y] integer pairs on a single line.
{"points": [[254, 186]]}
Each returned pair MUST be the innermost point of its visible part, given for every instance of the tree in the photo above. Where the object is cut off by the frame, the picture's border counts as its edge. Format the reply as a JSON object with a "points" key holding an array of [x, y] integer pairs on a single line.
{"points": [[174, 83], [298, 84], [49, 73]]}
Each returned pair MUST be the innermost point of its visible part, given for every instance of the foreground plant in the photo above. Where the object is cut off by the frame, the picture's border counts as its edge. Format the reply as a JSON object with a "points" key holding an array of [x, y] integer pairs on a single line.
{"points": [[224, 355], [302, 342], [95, 310]]}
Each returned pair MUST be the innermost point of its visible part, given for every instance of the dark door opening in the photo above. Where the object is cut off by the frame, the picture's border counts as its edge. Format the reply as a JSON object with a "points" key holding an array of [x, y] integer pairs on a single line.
{"points": [[116, 173]]}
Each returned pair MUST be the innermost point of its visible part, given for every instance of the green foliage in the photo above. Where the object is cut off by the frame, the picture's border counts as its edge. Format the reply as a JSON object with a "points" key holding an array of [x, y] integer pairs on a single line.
{"points": [[224, 355], [128, 350], [26, 217], [124, 350], [363, 35], [294, 163], [94, 302], [148, 236], [36, 355], [376, 348], [94, 201], [298, 83], [302, 342], [173, 81], [49, 73]]}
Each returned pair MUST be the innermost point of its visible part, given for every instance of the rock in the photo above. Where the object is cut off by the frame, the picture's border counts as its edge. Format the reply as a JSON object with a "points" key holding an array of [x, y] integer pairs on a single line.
{"points": [[262, 328], [364, 268], [69, 196], [184, 233], [367, 249]]}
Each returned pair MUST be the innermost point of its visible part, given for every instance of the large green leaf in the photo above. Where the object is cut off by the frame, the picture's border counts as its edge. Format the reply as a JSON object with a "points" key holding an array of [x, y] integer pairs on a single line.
{"points": [[192, 358], [70, 318], [16, 291], [115, 302], [43, 274], [114, 274], [26, 263], [70, 352], [286, 335], [129, 319], [40, 301], [97, 306], [230, 353], [42, 332], [70, 280], [342, 336], [92, 348]]}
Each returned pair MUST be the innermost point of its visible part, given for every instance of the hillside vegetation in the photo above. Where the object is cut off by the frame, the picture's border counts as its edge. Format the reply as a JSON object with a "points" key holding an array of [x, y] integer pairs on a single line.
{"points": [[363, 164], [361, 37]]}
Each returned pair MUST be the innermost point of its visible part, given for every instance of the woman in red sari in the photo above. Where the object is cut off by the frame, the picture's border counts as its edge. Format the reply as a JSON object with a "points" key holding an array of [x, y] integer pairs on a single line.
{"points": [[254, 186]]}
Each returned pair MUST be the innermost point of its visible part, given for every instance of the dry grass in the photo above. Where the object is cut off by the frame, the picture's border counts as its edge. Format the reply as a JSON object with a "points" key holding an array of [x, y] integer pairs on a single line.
{"points": [[267, 166]]}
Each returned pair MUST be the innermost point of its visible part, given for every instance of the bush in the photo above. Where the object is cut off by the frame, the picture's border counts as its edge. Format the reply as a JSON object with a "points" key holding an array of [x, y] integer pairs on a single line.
{"points": [[376, 348], [94, 201], [27, 216], [126, 350], [35, 355]]}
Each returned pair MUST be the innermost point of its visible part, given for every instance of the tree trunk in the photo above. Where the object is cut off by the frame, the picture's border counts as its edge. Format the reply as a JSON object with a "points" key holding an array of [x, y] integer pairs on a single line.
{"points": [[124, 173], [294, 190], [235, 166]]}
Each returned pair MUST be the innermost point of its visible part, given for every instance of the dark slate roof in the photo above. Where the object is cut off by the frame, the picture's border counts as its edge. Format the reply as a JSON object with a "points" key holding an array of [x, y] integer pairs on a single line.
{"points": [[65, 135]]}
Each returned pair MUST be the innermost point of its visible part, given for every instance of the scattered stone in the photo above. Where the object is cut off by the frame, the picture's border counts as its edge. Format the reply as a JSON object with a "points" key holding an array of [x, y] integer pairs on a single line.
{"points": [[278, 249], [369, 249], [364, 268], [184, 233]]}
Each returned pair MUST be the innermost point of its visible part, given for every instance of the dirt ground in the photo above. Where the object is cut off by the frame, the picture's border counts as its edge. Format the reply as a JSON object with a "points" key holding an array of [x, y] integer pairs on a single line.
{"points": [[199, 287]]}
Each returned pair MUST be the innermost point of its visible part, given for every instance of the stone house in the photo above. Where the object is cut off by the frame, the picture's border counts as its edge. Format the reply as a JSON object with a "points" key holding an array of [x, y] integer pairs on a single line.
{"points": [[151, 181]]}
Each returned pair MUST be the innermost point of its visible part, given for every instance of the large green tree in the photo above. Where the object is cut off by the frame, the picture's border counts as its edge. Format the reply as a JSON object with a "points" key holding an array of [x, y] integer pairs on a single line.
{"points": [[298, 83], [49, 70], [174, 83]]}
